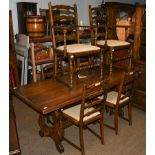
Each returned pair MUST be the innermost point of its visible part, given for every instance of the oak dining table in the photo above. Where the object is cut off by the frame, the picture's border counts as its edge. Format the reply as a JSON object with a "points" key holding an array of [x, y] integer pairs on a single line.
{"points": [[48, 97]]}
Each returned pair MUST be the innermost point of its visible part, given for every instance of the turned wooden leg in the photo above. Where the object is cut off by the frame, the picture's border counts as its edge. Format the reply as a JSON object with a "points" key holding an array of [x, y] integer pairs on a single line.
{"points": [[71, 57], [55, 65], [42, 72], [116, 121], [130, 59], [130, 113], [101, 63], [111, 59]]}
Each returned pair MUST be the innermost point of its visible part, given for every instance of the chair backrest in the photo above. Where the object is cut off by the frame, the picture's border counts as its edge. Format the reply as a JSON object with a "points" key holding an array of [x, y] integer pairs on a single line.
{"points": [[98, 20], [64, 21], [92, 104], [45, 14], [126, 86], [22, 45]]}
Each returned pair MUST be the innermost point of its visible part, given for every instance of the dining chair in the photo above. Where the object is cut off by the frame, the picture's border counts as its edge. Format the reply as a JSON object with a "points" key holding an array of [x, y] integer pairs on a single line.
{"points": [[21, 47], [45, 14], [88, 111], [121, 97], [98, 20], [65, 36], [86, 38], [40, 55]]}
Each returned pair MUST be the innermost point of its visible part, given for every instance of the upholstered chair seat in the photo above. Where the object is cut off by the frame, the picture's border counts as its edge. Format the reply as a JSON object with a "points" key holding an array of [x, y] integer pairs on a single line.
{"points": [[116, 100], [74, 112], [89, 110], [113, 43], [112, 97], [79, 48]]}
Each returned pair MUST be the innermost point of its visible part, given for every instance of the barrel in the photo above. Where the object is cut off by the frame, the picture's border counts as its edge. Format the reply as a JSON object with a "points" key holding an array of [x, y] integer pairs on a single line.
{"points": [[35, 26]]}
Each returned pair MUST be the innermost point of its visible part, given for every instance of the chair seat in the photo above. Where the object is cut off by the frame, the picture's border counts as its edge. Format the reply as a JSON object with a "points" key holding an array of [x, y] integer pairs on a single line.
{"points": [[74, 112], [112, 97], [113, 43], [79, 48]]}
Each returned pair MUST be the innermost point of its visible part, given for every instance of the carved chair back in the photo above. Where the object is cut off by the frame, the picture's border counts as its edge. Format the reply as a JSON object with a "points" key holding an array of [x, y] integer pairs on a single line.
{"points": [[64, 21], [98, 21]]}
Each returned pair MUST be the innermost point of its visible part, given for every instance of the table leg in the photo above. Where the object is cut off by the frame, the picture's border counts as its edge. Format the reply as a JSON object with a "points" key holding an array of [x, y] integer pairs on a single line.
{"points": [[71, 71], [101, 63], [111, 59], [55, 65], [55, 131]]}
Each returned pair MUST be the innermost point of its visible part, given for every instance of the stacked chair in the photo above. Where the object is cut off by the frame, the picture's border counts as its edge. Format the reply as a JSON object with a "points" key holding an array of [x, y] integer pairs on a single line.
{"points": [[65, 36], [40, 55], [98, 20]]}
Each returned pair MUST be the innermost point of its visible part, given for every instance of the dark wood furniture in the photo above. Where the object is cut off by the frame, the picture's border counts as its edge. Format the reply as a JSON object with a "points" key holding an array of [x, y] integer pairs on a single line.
{"points": [[139, 43], [49, 96], [40, 55], [110, 47], [139, 51], [25, 9], [117, 99], [65, 37], [113, 11], [46, 38], [139, 93], [45, 14], [90, 110], [46, 57], [14, 147]]}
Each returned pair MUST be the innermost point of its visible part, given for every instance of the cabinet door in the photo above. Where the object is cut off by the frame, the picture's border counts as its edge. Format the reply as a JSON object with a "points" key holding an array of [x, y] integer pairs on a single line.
{"points": [[113, 12], [139, 93]]}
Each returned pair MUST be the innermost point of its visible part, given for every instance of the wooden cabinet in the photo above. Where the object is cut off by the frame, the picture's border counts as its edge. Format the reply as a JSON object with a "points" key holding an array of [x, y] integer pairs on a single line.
{"points": [[25, 9], [139, 50], [113, 11], [139, 95]]}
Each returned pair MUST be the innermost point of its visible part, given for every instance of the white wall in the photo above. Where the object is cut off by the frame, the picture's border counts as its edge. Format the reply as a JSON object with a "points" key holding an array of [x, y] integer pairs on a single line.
{"points": [[81, 4]]}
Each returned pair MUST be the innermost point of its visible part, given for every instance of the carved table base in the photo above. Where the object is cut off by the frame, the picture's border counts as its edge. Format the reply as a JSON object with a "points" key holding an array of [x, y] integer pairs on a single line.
{"points": [[55, 131]]}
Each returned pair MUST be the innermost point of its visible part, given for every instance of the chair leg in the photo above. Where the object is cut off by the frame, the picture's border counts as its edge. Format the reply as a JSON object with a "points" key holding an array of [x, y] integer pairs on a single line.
{"points": [[102, 130], [81, 140], [116, 121], [130, 113], [42, 72]]}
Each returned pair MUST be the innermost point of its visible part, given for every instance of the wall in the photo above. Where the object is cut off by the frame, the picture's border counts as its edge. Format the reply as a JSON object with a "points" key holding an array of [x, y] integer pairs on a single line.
{"points": [[81, 4]]}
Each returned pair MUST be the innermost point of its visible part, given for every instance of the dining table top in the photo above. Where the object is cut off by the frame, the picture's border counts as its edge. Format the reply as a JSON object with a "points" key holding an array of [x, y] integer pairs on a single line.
{"points": [[52, 94]]}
